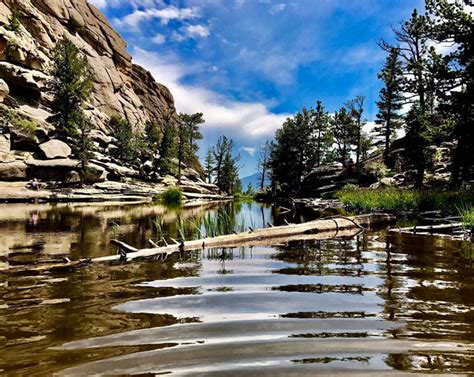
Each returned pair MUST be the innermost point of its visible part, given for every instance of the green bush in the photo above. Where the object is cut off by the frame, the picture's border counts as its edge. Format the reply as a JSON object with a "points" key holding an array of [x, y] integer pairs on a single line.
{"points": [[172, 197], [466, 212]]}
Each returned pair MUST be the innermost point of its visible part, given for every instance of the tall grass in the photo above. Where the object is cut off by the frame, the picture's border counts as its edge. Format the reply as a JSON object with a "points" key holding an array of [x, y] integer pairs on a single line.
{"points": [[394, 199], [466, 213]]}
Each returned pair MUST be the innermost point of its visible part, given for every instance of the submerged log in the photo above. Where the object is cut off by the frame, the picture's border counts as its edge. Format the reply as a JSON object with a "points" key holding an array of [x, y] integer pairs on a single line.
{"points": [[318, 229], [334, 227], [430, 229]]}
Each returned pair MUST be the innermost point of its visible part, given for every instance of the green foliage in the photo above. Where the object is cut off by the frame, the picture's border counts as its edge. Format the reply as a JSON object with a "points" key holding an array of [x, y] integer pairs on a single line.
{"points": [[14, 23], [374, 171], [390, 101], [71, 85], [127, 142], [343, 131], [167, 148], [466, 212], [394, 199], [172, 197], [21, 123], [209, 165], [188, 134], [226, 166]]}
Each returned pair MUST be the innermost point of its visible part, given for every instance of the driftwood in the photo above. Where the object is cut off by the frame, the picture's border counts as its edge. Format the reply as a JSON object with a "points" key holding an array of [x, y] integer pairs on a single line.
{"points": [[318, 229], [431, 229], [314, 230]]}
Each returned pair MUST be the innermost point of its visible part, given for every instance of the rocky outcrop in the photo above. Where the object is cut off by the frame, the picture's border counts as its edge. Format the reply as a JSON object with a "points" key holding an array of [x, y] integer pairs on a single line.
{"points": [[55, 149], [121, 88], [4, 90]]}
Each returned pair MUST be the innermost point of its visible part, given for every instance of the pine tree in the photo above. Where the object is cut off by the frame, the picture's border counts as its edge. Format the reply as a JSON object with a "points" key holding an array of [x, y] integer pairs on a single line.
{"points": [[209, 165], [323, 137], [226, 166], [343, 132], [127, 146], [188, 134], [419, 62], [390, 101], [263, 163], [167, 147], [356, 109], [453, 23], [71, 85]]}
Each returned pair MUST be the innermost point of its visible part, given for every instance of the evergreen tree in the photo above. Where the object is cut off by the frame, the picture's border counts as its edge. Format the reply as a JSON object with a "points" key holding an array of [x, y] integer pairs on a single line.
{"points": [[71, 85], [323, 137], [263, 162], [167, 146], [293, 154], [209, 165], [226, 166], [127, 149], [250, 190], [343, 132], [390, 102], [356, 109], [188, 134], [453, 23], [419, 63]]}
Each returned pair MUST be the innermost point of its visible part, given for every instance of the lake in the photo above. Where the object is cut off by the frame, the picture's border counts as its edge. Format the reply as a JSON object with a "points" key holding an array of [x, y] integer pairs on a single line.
{"points": [[377, 302]]}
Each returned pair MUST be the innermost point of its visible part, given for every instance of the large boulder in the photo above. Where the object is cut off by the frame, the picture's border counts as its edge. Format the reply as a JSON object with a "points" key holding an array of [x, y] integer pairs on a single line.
{"points": [[4, 90], [5, 144], [13, 171], [55, 149], [59, 169]]}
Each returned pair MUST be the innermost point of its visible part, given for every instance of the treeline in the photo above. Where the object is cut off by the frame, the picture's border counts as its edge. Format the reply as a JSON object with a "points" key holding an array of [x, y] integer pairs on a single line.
{"points": [[435, 86]]}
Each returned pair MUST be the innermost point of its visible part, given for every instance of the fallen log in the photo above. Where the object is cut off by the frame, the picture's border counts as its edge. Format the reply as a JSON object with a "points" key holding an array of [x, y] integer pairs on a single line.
{"points": [[430, 229], [335, 227], [318, 229]]}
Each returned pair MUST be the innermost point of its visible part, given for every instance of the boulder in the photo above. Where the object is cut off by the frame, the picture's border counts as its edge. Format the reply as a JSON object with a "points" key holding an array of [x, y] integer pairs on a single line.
{"points": [[117, 170], [55, 149], [13, 171], [24, 139], [4, 90], [58, 169], [72, 177], [388, 182], [5, 143], [99, 137]]}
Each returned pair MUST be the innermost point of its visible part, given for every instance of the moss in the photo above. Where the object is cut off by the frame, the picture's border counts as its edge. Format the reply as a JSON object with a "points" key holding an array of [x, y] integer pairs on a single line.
{"points": [[172, 197]]}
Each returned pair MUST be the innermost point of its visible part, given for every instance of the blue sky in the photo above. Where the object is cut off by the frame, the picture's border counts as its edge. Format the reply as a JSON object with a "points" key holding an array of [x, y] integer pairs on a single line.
{"points": [[248, 64]]}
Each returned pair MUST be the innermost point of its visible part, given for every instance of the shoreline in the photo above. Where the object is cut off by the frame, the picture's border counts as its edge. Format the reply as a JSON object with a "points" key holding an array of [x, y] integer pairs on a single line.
{"points": [[17, 192]]}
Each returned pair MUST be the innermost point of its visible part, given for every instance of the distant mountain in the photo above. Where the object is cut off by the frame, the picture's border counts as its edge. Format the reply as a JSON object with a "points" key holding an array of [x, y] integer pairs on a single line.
{"points": [[254, 179]]}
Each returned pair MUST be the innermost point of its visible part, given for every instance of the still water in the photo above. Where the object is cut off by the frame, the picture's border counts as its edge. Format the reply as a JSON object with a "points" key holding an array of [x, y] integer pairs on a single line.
{"points": [[376, 303]]}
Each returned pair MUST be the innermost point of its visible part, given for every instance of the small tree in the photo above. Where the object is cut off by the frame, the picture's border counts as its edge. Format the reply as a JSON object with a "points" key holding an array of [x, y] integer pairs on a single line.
{"points": [[343, 133], [168, 147], [263, 162], [71, 85], [188, 134], [151, 143], [209, 165], [127, 146], [356, 109], [250, 190]]}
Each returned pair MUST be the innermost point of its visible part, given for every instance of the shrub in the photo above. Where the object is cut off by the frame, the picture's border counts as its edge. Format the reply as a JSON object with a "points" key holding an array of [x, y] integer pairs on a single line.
{"points": [[172, 197], [14, 22]]}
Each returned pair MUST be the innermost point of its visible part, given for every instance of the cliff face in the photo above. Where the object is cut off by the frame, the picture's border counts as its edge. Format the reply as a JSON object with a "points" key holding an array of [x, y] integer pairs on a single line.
{"points": [[120, 88]]}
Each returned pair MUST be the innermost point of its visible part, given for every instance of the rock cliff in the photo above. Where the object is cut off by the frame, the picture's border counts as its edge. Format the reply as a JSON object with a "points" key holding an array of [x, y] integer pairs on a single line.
{"points": [[120, 88], [28, 148]]}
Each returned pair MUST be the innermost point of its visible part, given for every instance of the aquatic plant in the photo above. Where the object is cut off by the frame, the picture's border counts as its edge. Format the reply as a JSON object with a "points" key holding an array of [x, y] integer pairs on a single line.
{"points": [[158, 223], [466, 213]]}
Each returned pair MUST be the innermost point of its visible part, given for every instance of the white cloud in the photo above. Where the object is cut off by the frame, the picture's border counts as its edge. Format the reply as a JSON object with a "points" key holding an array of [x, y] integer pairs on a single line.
{"points": [[246, 120], [158, 39], [197, 31], [249, 150], [165, 15], [277, 8]]}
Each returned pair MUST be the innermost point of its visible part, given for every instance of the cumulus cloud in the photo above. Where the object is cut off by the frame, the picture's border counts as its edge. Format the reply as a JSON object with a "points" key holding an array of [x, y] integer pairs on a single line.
{"points": [[99, 3], [165, 15], [245, 120]]}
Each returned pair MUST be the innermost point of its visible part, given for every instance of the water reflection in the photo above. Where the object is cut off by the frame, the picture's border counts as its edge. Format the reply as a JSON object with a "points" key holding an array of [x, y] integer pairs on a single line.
{"points": [[375, 302]]}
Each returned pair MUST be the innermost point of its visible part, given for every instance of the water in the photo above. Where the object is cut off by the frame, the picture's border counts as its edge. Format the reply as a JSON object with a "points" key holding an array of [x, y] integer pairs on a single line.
{"points": [[375, 303]]}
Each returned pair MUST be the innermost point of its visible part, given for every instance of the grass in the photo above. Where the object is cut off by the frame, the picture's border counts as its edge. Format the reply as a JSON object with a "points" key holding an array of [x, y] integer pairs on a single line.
{"points": [[466, 212], [172, 197], [398, 200]]}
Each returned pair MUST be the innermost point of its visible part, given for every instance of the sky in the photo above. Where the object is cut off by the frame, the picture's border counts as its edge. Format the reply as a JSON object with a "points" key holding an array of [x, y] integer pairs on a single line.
{"points": [[247, 65]]}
